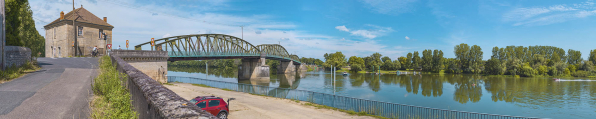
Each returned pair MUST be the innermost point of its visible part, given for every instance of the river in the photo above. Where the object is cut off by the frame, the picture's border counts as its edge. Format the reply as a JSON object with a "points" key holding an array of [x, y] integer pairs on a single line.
{"points": [[529, 97]]}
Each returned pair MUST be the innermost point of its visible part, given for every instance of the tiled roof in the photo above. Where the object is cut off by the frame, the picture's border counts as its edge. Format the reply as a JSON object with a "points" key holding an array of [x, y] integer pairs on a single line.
{"points": [[86, 17]]}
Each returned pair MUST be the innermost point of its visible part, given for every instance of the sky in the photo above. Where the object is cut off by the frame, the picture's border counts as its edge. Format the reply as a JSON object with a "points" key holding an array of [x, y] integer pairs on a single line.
{"points": [[311, 28]]}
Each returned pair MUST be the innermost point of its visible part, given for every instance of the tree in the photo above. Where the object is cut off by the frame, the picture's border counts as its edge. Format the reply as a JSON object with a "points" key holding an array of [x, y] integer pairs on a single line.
{"points": [[402, 62], [437, 60], [336, 59], [592, 57], [574, 57], [385, 59], [588, 66], [494, 67], [396, 65], [20, 27], [376, 61], [409, 61], [416, 61], [427, 60], [462, 52], [356, 63], [475, 59]]}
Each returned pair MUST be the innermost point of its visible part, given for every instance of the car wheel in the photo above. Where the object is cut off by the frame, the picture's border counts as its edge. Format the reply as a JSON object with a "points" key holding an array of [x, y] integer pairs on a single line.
{"points": [[222, 115]]}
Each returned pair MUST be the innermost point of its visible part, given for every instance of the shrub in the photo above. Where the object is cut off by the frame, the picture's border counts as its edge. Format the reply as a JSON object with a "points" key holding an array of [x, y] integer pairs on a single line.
{"points": [[527, 71], [112, 100], [581, 73]]}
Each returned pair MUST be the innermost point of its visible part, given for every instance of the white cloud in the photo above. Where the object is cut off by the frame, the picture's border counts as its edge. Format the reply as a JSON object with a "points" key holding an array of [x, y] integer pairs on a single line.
{"points": [[407, 38], [138, 26], [342, 28], [392, 7], [166, 35], [535, 16], [373, 32]]}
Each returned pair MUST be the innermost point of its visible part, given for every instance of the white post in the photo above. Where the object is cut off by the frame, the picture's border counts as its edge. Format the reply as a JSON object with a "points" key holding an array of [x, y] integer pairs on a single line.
{"points": [[206, 70]]}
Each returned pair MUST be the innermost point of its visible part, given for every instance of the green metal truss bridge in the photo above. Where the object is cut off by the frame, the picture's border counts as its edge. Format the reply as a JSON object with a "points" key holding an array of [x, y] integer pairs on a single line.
{"points": [[217, 46]]}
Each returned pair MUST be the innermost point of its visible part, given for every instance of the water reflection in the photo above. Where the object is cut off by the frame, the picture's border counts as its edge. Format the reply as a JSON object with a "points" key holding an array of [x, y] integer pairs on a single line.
{"points": [[535, 96]]}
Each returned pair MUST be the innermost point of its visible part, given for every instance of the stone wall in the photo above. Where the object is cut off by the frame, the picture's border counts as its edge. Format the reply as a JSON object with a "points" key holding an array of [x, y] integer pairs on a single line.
{"points": [[16, 56], [151, 100], [152, 63]]}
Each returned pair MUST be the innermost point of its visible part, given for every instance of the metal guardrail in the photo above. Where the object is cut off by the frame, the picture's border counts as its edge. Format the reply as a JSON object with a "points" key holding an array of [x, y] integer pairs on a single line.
{"points": [[379, 108]]}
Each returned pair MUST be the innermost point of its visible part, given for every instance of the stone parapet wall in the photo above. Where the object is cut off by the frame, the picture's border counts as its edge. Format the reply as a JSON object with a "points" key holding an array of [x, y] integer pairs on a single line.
{"points": [[16, 56], [152, 100]]}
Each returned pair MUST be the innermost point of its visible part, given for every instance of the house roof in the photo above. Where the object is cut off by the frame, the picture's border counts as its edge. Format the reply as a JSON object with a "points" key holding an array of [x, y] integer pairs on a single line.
{"points": [[86, 17]]}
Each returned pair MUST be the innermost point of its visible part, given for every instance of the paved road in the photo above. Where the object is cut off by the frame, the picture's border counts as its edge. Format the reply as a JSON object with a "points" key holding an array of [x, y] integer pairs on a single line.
{"points": [[61, 89]]}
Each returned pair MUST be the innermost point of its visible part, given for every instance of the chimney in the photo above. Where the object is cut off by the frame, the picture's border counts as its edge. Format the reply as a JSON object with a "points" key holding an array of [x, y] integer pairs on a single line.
{"points": [[62, 15], [105, 19]]}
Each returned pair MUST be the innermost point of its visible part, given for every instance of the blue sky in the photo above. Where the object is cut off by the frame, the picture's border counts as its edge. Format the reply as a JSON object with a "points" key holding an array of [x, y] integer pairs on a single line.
{"points": [[311, 28]]}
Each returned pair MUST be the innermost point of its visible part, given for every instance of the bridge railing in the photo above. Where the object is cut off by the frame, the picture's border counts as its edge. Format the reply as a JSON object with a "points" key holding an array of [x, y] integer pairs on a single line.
{"points": [[216, 54], [379, 108]]}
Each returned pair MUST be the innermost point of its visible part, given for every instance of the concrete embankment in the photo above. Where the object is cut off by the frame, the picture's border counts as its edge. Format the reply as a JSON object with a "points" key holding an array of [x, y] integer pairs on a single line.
{"points": [[248, 106]]}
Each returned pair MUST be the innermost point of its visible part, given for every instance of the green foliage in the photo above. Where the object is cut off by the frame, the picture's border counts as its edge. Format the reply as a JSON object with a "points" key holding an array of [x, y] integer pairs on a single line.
{"points": [[310, 61], [437, 61], [527, 71], [16, 72], [356, 63], [495, 67], [574, 57], [581, 73], [336, 59], [20, 27], [427, 60], [403, 62], [226, 64], [587, 66], [592, 57], [409, 61], [112, 99], [384, 59], [416, 61], [376, 62]]}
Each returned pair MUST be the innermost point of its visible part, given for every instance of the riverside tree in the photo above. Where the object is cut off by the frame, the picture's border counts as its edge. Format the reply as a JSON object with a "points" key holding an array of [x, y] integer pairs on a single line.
{"points": [[336, 59], [356, 64]]}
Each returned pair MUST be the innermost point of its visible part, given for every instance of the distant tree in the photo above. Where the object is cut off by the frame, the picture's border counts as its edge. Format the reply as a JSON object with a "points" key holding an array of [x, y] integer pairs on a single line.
{"points": [[427, 59], [403, 62], [396, 65], [376, 61], [574, 57], [336, 59], [409, 61], [416, 60], [495, 67], [588, 66], [475, 59], [385, 59], [462, 52], [437, 60], [357, 63], [592, 56]]}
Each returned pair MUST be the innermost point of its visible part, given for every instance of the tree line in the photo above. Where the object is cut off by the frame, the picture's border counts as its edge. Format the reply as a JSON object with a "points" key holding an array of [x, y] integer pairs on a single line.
{"points": [[20, 27], [522, 61]]}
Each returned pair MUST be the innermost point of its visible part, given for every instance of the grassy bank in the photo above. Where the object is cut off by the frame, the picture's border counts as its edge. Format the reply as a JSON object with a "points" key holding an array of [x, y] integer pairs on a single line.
{"points": [[16, 72], [111, 99]]}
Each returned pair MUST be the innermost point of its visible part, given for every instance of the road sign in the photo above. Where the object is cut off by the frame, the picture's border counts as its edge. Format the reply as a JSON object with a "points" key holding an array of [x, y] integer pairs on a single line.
{"points": [[152, 42], [126, 44], [109, 46], [72, 43]]}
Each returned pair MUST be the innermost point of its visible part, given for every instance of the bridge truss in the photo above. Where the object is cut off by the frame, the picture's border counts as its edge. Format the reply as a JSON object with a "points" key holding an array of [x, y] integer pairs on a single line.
{"points": [[216, 46]]}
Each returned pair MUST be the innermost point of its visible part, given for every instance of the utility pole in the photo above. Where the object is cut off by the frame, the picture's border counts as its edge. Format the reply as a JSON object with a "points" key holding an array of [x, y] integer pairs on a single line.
{"points": [[75, 31], [2, 35], [242, 28]]}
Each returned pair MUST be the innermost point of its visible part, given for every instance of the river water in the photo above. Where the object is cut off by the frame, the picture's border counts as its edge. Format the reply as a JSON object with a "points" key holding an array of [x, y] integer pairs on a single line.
{"points": [[529, 97]]}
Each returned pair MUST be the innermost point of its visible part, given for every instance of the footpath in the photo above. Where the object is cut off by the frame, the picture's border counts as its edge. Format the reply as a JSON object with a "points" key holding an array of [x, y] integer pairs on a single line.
{"points": [[248, 106]]}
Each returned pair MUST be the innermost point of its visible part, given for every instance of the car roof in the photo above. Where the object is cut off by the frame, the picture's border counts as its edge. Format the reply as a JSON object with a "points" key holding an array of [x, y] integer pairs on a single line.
{"points": [[206, 97]]}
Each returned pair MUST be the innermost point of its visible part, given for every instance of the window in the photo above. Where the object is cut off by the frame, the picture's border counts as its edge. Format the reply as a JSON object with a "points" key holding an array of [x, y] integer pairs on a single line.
{"points": [[80, 31], [213, 103], [100, 33], [202, 104]]}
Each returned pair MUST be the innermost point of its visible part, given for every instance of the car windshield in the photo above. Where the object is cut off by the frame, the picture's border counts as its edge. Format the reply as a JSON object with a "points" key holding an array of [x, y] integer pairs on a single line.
{"points": [[193, 101]]}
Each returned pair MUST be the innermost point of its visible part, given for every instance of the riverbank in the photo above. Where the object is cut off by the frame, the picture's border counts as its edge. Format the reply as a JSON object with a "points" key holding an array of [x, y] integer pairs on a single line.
{"points": [[248, 106]]}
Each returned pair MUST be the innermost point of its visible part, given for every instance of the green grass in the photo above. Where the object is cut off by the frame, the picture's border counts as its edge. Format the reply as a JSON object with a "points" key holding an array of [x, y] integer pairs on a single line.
{"points": [[16, 72], [111, 99], [202, 85]]}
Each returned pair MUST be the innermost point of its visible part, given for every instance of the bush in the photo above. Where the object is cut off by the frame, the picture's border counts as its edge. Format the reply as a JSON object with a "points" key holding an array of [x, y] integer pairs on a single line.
{"points": [[581, 73], [527, 71], [16, 72], [112, 100]]}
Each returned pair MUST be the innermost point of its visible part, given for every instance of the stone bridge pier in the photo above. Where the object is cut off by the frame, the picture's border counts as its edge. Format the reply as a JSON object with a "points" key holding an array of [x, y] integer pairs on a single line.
{"points": [[288, 67], [153, 63], [253, 69]]}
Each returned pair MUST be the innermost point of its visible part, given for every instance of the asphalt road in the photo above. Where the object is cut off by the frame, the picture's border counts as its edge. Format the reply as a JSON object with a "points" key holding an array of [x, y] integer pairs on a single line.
{"points": [[61, 89]]}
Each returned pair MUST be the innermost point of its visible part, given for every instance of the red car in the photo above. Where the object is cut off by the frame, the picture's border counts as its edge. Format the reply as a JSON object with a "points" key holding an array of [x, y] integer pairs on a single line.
{"points": [[214, 105]]}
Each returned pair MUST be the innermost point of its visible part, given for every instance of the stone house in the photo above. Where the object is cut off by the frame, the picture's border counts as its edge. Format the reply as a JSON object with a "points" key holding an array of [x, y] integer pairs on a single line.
{"points": [[92, 31]]}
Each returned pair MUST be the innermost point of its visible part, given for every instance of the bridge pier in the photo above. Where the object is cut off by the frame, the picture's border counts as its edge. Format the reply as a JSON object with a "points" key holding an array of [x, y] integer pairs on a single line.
{"points": [[253, 69], [286, 67]]}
